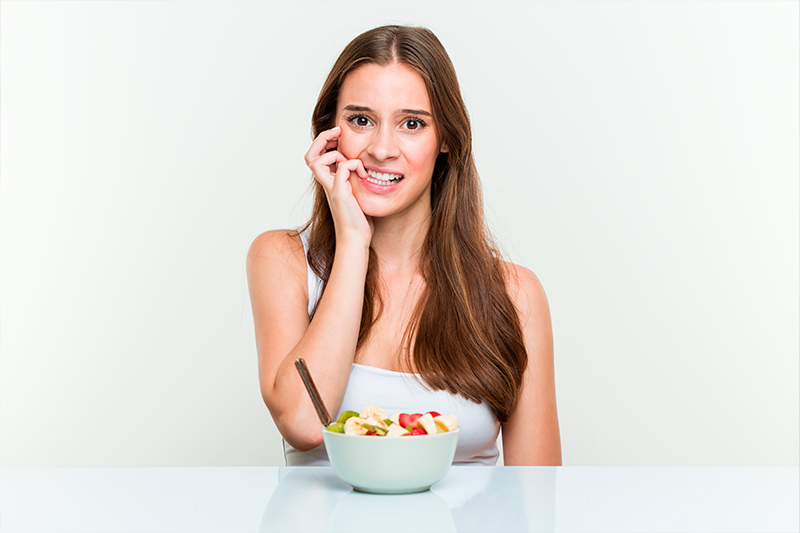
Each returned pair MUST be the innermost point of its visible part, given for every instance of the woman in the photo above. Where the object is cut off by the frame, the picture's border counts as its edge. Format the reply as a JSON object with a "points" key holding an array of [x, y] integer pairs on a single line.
{"points": [[412, 308]]}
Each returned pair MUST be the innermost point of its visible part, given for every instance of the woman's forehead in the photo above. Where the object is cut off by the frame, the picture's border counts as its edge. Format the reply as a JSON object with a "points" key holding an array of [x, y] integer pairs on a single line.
{"points": [[385, 88]]}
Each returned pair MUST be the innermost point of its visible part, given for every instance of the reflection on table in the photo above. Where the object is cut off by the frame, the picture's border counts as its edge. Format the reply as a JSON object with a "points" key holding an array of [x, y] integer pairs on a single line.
{"points": [[468, 499]]}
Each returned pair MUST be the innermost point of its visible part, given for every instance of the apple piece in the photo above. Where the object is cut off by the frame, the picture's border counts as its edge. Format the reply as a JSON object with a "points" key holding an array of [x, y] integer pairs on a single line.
{"points": [[396, 430], [446, 422], [426, 422]]}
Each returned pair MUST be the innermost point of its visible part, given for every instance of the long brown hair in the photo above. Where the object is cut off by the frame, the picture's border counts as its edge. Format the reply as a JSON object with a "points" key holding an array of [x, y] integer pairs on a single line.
{"points": [[465, 329]]}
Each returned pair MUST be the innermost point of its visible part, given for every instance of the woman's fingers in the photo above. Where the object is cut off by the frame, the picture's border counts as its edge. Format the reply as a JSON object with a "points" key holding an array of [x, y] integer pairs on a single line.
{"points": [[341, 188], [333, 171], [329, 159], [322, 159], [347, 166], [348, 218], [325, 141], [323, 168]]}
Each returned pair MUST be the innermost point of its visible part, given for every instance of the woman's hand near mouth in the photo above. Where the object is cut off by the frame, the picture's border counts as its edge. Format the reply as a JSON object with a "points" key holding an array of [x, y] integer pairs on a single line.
{"points": [[333, 171], [278, 277]]}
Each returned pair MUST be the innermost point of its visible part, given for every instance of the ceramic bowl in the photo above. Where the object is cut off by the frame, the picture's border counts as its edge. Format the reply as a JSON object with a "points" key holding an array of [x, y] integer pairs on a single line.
{"points": [[391, 465]]}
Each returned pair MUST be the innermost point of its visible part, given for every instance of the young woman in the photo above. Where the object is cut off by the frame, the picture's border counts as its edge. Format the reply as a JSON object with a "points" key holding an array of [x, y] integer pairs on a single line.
{"points": [[393, 292]]}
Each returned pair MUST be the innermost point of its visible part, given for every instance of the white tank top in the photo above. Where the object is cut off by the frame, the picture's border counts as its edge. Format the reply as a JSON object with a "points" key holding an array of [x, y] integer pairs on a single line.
{"points": [[399, 392]]}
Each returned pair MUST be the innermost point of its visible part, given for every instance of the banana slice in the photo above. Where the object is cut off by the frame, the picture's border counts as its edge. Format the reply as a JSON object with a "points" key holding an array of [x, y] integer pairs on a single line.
{"points": [[355, 426], [372, 411], [375, 421]]}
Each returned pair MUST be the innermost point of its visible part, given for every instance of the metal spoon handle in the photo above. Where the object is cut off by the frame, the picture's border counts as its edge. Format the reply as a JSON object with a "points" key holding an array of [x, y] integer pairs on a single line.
{"points": [[316, 399]]}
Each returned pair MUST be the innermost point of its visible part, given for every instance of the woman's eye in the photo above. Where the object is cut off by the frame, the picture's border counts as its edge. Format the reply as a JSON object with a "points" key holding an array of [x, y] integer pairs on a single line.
{"points": [[414, 124], [360, 121]]}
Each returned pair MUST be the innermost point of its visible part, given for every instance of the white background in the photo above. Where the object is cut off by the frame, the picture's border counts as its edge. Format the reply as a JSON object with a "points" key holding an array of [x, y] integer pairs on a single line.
{"points": [[641, 157]]}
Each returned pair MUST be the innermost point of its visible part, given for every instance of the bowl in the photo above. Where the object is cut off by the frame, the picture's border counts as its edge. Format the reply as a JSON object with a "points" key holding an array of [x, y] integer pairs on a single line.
{"points": [[391, 465]]}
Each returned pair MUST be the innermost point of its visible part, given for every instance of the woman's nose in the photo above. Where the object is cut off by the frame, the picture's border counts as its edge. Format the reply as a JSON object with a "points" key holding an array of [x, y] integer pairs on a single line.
{"points": [[383, 145]]}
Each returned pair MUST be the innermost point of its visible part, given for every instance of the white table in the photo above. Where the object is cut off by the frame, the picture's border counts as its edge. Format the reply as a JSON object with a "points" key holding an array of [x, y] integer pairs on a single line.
{"points": [[479, 499]]}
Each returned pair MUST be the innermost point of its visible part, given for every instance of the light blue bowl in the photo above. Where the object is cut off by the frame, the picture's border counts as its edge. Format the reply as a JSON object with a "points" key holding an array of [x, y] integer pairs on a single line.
{"points": [[391, 465]]}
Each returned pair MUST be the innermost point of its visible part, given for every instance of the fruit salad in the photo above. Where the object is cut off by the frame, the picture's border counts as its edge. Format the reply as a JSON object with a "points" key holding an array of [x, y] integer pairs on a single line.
{"points": [[373, 421]]}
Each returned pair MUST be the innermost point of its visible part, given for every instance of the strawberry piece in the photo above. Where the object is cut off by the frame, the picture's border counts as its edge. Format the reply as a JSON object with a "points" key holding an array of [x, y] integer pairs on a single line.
{"points": [[434, 414], [415, 431], [406, 420]]}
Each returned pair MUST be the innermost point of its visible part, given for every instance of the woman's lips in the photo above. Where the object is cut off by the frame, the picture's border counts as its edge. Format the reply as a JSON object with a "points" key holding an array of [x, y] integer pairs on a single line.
{"points": [[383, 178], [379, 182]]}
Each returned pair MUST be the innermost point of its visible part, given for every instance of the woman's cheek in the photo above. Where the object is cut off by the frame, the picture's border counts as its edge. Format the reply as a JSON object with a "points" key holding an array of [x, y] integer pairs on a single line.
{"points": [[347, 144], [352, 144]]}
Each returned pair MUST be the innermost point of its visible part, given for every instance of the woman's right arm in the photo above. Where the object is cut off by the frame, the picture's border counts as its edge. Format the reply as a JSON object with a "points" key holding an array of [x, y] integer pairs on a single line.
{"points": [[277, 278]]}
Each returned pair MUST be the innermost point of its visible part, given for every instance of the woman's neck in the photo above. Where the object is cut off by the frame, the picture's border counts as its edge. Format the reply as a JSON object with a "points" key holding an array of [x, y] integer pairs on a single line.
{"points": [[398, 242]]}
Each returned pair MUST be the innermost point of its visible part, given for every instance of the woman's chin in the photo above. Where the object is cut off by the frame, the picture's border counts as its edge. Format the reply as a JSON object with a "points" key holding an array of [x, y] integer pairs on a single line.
{"points": [[376, 207], [376, 212]]}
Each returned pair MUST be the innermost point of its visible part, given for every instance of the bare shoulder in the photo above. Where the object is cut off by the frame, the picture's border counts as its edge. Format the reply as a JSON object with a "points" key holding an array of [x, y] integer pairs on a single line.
{"points": [[276, 244], [525, 289], [279, 249]]}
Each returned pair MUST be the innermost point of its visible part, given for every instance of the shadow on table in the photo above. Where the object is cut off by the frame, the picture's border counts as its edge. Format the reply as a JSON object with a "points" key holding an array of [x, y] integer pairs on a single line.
{"points": [[478, 499]]}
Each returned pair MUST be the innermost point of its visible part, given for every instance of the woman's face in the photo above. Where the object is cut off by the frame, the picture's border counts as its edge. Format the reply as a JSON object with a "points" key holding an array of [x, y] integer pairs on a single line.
{"points": [[387, 123]]}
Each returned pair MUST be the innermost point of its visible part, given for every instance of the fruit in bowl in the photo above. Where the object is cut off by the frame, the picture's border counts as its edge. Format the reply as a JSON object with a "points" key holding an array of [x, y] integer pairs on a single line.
{"points": [[365, 453]]}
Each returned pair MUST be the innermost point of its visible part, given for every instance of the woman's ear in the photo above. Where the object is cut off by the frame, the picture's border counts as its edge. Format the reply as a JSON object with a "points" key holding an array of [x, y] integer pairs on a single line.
{"points": [[443, 148]]}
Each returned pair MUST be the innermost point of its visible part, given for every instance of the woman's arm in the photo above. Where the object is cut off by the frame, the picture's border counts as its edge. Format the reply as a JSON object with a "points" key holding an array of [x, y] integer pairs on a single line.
{"points": [[531, 436], [276, 272], [277, 277]]}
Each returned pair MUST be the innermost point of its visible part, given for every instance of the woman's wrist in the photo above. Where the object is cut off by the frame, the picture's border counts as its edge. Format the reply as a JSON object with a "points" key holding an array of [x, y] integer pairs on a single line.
{"points": [[355, 244]]}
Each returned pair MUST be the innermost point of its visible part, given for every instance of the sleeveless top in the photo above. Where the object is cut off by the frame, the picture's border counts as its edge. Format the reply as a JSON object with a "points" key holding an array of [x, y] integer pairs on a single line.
{"points": [[400, 392]]}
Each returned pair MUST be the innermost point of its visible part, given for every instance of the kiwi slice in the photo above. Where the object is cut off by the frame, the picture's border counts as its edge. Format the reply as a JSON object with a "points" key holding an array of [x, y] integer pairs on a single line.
{"points": [[336, 427], [345, 415], [377, 429]]}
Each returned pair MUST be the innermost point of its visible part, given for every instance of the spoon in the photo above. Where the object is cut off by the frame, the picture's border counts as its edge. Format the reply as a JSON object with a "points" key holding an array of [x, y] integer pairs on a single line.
{"points": [[316, 399]]}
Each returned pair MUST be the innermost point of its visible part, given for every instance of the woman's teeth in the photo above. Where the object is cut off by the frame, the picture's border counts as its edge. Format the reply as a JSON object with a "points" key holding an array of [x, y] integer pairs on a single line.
{"points": [[380, 178]]}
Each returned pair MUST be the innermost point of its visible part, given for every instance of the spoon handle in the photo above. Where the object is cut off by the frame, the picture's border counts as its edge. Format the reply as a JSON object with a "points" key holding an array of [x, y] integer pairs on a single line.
{"points": [[316, 399]]}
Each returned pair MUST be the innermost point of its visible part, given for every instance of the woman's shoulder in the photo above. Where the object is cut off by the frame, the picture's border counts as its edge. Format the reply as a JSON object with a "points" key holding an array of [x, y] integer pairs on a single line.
{"points": [[276, 241], [278, 247], [524, 288]]}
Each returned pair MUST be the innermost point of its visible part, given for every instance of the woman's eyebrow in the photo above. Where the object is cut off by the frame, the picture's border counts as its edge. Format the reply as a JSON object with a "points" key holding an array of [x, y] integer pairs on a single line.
{"points": [[415, 112], [365, 109]]}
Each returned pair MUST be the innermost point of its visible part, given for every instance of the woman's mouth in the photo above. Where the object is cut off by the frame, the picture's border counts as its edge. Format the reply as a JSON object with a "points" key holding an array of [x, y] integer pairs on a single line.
{"points": [[382, 178]]}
